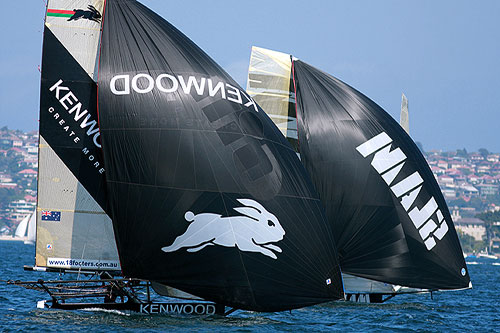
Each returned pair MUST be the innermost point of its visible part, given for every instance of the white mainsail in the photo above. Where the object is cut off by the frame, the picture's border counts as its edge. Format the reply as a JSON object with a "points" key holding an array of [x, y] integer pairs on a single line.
{"points": [[73, 231]]}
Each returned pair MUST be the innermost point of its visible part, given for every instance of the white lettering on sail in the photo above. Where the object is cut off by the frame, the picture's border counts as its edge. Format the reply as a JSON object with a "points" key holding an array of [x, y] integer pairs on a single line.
{"points": [[93, 125], [126, 84], [166, 83], [390, 175], [407, 184], [419, 216], [254, 231], [235, 92], [385, 159], [212, 91], [159, 85], [68, 98], [409, 199], [149, 87], [250, 101], [57, 86], [192, 82], [71, 99], [388, 163], [374, 144], [78, 114]]}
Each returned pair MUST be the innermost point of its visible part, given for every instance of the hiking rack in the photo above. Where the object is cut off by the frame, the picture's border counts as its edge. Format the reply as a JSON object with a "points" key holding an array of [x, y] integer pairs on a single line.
{"points": [[113, 294]]}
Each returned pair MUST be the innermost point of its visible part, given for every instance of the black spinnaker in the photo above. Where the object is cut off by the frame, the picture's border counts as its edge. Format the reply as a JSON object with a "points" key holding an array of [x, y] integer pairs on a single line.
{"points": [[208, 195], [391, 221]]}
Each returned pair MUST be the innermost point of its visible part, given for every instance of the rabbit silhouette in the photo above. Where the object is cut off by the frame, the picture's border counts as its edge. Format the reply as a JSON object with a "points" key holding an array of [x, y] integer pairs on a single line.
{"points": [[253, 231]]}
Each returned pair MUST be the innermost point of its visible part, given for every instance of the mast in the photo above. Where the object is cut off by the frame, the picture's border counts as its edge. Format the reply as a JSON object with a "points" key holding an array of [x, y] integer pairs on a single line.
{"points": [[73, 230], [205, 193]]}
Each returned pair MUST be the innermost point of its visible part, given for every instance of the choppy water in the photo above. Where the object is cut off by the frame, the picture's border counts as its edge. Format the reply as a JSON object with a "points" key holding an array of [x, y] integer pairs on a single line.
{"points": [[470, 310]]}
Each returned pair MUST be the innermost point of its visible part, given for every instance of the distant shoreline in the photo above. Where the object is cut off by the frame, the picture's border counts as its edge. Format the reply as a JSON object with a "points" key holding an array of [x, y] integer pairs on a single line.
{"points": [[12, 238]]}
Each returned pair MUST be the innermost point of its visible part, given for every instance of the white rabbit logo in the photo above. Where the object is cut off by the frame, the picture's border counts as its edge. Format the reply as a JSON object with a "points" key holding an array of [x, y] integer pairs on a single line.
{"points": [[254, 231]]}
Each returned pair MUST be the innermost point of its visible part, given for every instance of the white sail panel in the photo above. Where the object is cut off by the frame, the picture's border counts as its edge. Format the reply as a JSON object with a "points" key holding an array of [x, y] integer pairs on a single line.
{"points": [[71, 225], [77, 25], [269, 83]]}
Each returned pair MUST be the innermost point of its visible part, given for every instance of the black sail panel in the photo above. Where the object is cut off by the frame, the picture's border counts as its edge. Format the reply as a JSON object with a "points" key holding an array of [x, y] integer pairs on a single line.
{"points": [[391, 222], [69, 124], [210, 197]]}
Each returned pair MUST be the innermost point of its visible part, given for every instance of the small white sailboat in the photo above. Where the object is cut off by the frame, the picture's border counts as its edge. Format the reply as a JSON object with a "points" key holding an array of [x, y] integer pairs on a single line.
{"points": [[22, 227], [26, 230]]}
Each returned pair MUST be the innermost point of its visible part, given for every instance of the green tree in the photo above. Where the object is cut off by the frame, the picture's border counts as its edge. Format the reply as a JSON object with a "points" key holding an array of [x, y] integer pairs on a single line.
{"points": [[477, 203], [462, 152], [490, 218], [470, 244], [484, 152]]}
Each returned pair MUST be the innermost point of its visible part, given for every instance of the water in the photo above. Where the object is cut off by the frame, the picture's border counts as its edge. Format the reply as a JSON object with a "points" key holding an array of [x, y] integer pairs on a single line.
{"points": [[469, 310]]}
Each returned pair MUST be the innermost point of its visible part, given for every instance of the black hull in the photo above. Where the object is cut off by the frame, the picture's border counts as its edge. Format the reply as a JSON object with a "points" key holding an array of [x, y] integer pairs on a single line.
{"points": [[165, 308], [116, 294]]}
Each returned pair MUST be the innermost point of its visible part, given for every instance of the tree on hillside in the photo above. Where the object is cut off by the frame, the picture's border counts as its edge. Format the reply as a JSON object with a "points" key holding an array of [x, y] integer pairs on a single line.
{"points": [[13, 163], [477, 203], [490, 218], [484, 152], [462, 152], [469, 244], [8, 195]]}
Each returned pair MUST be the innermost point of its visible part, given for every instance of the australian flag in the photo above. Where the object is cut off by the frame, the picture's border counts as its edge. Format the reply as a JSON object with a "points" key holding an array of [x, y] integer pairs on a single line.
{"points": [[50, 215]]}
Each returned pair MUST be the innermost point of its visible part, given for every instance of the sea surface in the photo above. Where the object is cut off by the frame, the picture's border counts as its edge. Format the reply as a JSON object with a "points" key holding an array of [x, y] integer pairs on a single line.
{"points": [[476, 310]]}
